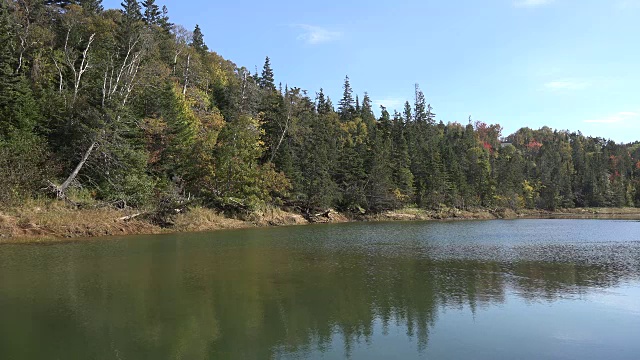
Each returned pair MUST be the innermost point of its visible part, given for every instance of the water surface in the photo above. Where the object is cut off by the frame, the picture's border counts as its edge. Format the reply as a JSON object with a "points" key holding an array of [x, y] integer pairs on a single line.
{"points": [[519, 289]]}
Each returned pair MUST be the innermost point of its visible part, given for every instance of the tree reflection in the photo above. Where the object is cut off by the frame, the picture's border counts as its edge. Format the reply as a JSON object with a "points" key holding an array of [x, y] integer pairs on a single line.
{"points": [[249, 302]]}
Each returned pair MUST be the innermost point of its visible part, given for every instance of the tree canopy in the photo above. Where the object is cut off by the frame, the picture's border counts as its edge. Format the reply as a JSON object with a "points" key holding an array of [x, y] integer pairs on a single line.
{"points": [[124, 107]]}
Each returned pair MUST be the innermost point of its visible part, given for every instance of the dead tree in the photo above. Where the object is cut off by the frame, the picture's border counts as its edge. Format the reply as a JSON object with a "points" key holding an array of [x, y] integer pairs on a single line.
{"points": [[118, 83]]}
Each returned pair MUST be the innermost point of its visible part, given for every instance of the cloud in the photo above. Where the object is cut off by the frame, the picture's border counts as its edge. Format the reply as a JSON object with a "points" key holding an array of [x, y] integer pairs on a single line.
{"points": [[567, 85], [623, 118], [531, 3], [390, 103], [314, 35]]}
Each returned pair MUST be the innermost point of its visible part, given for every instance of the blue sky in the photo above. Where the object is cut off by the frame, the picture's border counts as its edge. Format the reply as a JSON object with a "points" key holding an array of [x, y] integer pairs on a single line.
{"points": [[568, 64]]}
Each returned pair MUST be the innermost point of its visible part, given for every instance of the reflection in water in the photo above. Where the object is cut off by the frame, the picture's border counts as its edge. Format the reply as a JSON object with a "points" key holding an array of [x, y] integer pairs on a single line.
{"points": [[249, 296]]}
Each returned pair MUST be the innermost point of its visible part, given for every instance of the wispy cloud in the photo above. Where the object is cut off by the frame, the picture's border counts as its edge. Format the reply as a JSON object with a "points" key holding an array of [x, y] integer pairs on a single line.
{"points": [[390, 103], [567, 84], [314, 35], [531, 3], [623, 117]]}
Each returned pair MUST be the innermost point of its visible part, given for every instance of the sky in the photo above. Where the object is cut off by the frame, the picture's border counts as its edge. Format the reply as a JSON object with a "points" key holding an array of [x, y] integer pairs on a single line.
{"points": [[567, 64]]}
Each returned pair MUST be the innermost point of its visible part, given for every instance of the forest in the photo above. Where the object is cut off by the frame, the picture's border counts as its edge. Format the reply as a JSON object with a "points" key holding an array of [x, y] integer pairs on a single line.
{"points": [[123, 107]]}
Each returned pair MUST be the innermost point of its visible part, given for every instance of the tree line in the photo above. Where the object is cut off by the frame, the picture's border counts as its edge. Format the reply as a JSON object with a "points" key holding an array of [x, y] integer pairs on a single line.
{"points": [[124, 107]]}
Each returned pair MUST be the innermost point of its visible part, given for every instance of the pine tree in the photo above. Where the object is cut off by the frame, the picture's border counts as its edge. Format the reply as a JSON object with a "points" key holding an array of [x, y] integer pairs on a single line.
{"points": [[198, 40], [17, 107], [346, 107], [163, 20], [131, 10], [323, 104], [430, 116], [366, 113], [92, 6], [60, 3], [22, 152], [402, 176], [407, 114], [318, 154], [379, 184], [151, 12], [267, 78], [7, 57], [420, 106]]}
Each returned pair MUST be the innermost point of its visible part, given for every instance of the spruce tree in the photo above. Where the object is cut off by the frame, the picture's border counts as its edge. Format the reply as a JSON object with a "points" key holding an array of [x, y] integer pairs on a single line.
{"points": [[92, 6], [323, 104], [366, 113], [317, 154], [61, 3], [198, 40], [131, 10], [151, 12], [420, 106], [379, 184], [402, 176], [267, 78], [22, 151], [17, 107], [408, 117], [346, 107], [163, 20]]}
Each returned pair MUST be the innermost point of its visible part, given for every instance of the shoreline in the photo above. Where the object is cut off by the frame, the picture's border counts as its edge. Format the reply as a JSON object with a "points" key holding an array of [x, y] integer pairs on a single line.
{"points": [[57, 223]]}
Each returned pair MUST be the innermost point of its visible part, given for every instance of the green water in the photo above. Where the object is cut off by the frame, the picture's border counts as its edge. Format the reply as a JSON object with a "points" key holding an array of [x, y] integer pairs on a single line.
{"points": [[523, 289]]}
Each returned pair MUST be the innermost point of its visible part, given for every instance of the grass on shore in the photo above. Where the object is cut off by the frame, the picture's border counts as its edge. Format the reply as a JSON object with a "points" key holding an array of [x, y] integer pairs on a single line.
{"points": [[45, 220]]}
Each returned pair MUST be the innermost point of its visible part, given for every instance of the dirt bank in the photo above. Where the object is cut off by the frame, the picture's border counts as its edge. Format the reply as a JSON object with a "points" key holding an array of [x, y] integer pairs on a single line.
{"points": [[56, 222]]}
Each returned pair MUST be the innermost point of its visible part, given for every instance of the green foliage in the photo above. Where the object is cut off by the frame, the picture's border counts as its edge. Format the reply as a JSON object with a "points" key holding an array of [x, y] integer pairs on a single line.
{"points": [[149, 116], [267, 79], [346, 107], [152, 12], [131, 10], [239, 174], [23, 168], [198, 40]]}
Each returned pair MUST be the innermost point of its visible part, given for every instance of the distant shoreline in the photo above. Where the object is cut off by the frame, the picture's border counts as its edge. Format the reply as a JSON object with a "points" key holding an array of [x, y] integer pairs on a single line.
{"points": [[60, 224]]}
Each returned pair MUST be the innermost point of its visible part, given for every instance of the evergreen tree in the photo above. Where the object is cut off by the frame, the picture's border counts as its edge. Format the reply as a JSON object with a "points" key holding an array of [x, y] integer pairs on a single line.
{"points": [[324, 105], [17, 107], [267, 78], [169, 119], [379, 185], [346, 107], [318, 187], [151, 12], [163, 20], [420, 106], [92, 6], [22, 151], [60, 3], [402, 176], [198, 40], [408, 117], [366, 113], [131, 10]]}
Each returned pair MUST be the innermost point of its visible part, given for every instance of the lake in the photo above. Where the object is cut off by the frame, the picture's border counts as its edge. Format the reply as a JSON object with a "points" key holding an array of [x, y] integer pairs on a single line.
{"points": [[513, 289]]}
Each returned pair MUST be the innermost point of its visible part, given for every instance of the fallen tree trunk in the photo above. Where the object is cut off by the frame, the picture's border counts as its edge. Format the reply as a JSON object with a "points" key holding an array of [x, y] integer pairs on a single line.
{"points": [[60, 190], [130, 217]]}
